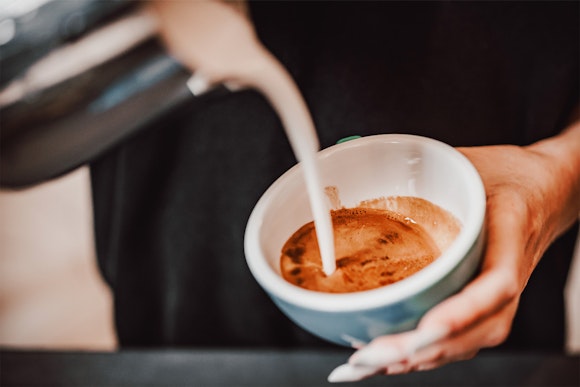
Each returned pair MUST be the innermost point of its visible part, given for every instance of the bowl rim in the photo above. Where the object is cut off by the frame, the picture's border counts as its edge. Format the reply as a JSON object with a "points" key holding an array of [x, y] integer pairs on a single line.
{"points": [[417, 283]]}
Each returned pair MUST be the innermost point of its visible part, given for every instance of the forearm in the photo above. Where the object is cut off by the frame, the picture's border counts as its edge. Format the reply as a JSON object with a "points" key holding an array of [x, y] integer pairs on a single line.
{"points": [[562, 153]]}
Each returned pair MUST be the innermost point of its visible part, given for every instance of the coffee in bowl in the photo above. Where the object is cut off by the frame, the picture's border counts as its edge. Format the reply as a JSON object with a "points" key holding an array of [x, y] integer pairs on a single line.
{"points": [[377, 243], [402, 172]]}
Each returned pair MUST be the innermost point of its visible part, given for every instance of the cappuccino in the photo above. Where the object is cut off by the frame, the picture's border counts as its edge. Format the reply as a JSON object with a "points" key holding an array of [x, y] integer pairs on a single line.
{"points": [[376, 244]]}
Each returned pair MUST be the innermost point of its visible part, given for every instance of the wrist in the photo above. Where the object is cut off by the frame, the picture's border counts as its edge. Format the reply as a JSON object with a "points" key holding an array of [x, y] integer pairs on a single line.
{"points": [[561, 154]]}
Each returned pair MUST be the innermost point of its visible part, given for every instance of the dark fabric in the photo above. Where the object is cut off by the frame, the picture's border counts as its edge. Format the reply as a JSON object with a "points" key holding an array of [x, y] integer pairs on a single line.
{"points": [[171, 204]]}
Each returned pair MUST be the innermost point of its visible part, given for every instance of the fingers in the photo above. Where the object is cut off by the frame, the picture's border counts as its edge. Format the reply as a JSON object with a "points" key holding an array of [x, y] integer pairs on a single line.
{"points": [[382, 352], [488, 333], [424, 349], [388, 350], [477, 317], [352, 373], [482, 298]]}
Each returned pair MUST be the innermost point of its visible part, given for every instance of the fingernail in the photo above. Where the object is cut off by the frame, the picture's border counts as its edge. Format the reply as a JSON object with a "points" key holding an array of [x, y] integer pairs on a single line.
{"points": [[351, 373], [396, 368], [353, 341], [376, 356], [426, 337], [198, 84], [425, 367]]}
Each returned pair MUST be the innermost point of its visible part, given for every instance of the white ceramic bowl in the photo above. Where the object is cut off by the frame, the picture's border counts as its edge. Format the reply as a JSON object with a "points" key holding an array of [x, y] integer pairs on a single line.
{"points": [[362, 169]]}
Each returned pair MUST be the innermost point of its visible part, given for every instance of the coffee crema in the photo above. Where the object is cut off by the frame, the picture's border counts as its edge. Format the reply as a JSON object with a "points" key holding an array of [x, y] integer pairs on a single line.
{"points": [[375, 246]]}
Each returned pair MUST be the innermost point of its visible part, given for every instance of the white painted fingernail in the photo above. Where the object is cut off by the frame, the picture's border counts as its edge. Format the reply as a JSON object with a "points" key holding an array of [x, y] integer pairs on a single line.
{"points": [[351, 373], [353, 341], [426, 337], [396, 368], [376, 356], [198, 84], [425, 367]]}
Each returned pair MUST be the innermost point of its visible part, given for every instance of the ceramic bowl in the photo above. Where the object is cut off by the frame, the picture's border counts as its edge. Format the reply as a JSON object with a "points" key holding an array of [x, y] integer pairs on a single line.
{"points": [[362, 169]]}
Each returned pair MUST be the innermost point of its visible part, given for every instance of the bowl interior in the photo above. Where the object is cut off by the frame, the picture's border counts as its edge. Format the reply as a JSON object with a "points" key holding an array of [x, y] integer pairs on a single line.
{"points": [[367, 168]]}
